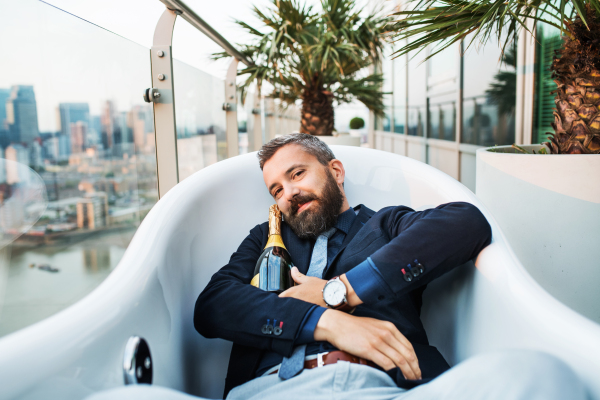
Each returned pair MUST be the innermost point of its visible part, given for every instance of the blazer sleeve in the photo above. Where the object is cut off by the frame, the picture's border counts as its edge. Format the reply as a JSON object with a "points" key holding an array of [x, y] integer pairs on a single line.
{"points": [[230, 308], [438, 239]]}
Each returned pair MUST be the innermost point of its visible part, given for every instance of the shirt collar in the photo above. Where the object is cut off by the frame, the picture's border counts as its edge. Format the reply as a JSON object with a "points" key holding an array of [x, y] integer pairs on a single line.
{"points": [[345, 220]]}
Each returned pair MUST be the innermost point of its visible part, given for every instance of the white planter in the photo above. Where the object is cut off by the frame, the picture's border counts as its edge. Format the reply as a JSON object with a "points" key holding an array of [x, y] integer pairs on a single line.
{"points": [[341, 140], [548, 206]]}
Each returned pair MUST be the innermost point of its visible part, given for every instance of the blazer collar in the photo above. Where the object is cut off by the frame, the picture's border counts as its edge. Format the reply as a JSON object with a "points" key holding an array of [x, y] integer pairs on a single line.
{"points": [[364, 214]]}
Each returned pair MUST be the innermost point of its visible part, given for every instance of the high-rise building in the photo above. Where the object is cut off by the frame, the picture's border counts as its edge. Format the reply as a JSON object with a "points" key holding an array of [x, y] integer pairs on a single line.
{"points": [[64, 149], [15, 173], [4, 95], [51, 147], [78, 137], [107, 123], [21, 115], [92, 210], [95, 131], [69, 114], [35, 155], [2, 167], [137, 121], [4, 139]]}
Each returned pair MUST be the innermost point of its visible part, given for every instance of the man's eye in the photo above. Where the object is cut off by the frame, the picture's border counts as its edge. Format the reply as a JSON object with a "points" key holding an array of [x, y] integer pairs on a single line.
{"points": [[276, 193], [297, 174]]}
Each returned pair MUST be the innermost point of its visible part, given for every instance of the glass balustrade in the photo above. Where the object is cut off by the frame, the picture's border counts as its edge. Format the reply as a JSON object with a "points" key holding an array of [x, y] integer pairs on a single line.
{"points": [[200, 118], [399, 87], [442, 120], [75, 132], [489, 91]]}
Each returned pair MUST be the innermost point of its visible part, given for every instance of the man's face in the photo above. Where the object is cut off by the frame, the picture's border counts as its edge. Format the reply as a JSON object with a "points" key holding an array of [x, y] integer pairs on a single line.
{"points": [[307, 192]]}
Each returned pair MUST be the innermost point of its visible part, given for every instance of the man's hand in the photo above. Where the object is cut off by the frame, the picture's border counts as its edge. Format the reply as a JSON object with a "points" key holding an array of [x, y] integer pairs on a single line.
{"points": [[308, 288], [375, 340]]}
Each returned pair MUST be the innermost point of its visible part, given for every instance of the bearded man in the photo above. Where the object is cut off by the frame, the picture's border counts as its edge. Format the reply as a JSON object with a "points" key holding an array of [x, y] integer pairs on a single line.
{"points": [[350, 328], [371, 344]]}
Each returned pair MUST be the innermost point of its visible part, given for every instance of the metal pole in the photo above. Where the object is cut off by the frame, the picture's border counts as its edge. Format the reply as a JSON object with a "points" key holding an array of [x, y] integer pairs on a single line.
{"points": [[190, 16], [459, 105], [257, 130], [161, 60], [230, 107]]}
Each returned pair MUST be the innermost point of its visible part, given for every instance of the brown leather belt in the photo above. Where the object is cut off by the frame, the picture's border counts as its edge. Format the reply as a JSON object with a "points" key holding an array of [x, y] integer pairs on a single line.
{"points": [[333, 357]]}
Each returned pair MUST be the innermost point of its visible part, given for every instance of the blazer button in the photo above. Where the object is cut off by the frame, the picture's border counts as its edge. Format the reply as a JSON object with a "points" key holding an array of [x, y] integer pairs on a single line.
{"points": [[419, 267], [265, 329], [414, 271]]}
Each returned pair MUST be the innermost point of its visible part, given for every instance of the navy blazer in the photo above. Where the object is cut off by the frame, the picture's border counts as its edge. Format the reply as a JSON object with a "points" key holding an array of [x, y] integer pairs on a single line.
{"points": [[441, 239]]}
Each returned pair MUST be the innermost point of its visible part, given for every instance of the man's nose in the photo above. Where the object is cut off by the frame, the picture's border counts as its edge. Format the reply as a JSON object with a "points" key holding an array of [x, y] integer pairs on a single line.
{"points": [[292, 192]]}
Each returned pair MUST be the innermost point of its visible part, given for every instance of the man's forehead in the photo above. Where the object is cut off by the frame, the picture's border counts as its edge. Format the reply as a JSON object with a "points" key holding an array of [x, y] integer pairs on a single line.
{"points": [[288, 156]]}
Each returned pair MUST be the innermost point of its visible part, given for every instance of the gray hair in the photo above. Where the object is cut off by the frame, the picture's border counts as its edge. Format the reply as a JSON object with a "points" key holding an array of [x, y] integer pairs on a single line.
{"points": [[311, 144]]}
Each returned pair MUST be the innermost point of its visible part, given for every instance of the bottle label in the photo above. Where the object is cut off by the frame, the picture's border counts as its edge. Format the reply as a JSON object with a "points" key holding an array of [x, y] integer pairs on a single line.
{"points": [[254, 281]]}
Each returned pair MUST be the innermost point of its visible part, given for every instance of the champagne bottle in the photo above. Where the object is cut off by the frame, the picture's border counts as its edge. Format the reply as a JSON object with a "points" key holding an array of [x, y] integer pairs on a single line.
{"points": [[273, 271]]}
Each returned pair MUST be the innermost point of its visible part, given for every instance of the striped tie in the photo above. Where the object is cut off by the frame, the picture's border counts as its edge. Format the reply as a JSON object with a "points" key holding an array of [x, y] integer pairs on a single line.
{"points": [[293, 365]]}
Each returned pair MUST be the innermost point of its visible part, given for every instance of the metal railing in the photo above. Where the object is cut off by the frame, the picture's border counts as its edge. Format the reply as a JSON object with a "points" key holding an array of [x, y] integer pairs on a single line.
{"points": [[163, 97]]}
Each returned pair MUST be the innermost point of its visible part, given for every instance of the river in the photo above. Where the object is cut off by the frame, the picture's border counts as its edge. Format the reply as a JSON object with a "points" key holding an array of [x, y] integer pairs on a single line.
{"points": [[30, 294]]}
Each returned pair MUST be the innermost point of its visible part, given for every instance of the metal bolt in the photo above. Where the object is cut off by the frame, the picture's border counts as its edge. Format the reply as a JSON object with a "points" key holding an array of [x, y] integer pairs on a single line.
{"points": [[230, 83], [156, 95], [160, 53], [231, 97], [147, 363], [161, 77]]}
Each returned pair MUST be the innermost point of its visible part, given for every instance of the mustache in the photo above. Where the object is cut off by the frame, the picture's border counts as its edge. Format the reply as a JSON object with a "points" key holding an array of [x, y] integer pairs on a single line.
{"points": [[296, 202]]}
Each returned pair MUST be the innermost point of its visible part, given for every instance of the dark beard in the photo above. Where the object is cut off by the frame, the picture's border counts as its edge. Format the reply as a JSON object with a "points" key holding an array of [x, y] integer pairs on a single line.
{"points": [[312, 222]]}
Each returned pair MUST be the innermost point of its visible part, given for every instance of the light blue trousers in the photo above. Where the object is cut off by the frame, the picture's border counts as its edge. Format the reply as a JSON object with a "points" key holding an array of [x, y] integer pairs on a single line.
{"points": [[507, 375]]}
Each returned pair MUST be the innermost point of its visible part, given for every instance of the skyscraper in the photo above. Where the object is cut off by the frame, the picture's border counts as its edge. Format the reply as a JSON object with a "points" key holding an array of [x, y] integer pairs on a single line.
{"points": [[107, 121], [137, 123], [15, 172], [4, 95], [78, 136], [21, 115], [35, 154], [71, 114]]}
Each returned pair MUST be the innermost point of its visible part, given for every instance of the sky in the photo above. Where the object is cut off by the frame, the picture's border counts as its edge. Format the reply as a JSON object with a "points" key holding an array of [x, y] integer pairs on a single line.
{"points": [[95, 50]]}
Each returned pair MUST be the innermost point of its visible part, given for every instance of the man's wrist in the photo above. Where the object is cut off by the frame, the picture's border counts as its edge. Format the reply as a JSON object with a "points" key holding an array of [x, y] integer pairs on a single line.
{"points": [[325, 325], [351, 296]]}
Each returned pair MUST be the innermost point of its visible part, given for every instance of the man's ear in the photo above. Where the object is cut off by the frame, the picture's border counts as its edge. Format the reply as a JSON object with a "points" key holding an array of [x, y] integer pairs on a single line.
{"points": [[337, 170]]}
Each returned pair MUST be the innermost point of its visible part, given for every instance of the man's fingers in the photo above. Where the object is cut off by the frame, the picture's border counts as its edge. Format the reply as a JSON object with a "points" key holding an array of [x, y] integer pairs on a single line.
{"points": [[398, 360], [405, 349], [287, 293], [297, 276]]}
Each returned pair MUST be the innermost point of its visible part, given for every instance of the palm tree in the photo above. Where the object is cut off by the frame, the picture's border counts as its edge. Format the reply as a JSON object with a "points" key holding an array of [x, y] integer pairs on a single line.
{"points": [[575, 68], [319, 57]]}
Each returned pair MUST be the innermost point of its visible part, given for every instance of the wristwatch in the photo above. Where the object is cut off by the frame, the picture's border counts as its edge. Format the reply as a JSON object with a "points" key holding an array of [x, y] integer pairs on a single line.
{"points": [[334, 295]]}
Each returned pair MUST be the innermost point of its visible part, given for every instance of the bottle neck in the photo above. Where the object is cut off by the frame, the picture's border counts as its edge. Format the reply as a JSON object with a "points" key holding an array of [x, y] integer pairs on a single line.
{"points": [[275, 241], [275, 228]]}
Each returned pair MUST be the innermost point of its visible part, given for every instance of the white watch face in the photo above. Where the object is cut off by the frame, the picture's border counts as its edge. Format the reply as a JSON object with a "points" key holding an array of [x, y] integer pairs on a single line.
{"points": [[334, 293]]}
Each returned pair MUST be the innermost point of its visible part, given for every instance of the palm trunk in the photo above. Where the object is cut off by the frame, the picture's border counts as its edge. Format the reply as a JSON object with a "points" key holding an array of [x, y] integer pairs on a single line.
{"points": [[317, 112]]}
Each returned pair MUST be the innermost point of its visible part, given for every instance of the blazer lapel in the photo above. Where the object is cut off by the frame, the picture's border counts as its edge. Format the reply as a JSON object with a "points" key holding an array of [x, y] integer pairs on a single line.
{"points": [[300, 250], [364, 214]]}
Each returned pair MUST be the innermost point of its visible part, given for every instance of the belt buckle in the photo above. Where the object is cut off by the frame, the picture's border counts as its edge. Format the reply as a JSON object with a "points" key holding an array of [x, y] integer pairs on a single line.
{"points": [[320, 362]]}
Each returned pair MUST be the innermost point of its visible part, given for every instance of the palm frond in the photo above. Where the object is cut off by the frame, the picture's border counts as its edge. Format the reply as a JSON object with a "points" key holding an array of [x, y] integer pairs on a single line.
{"points": [[297, 47], [445, 22]]}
